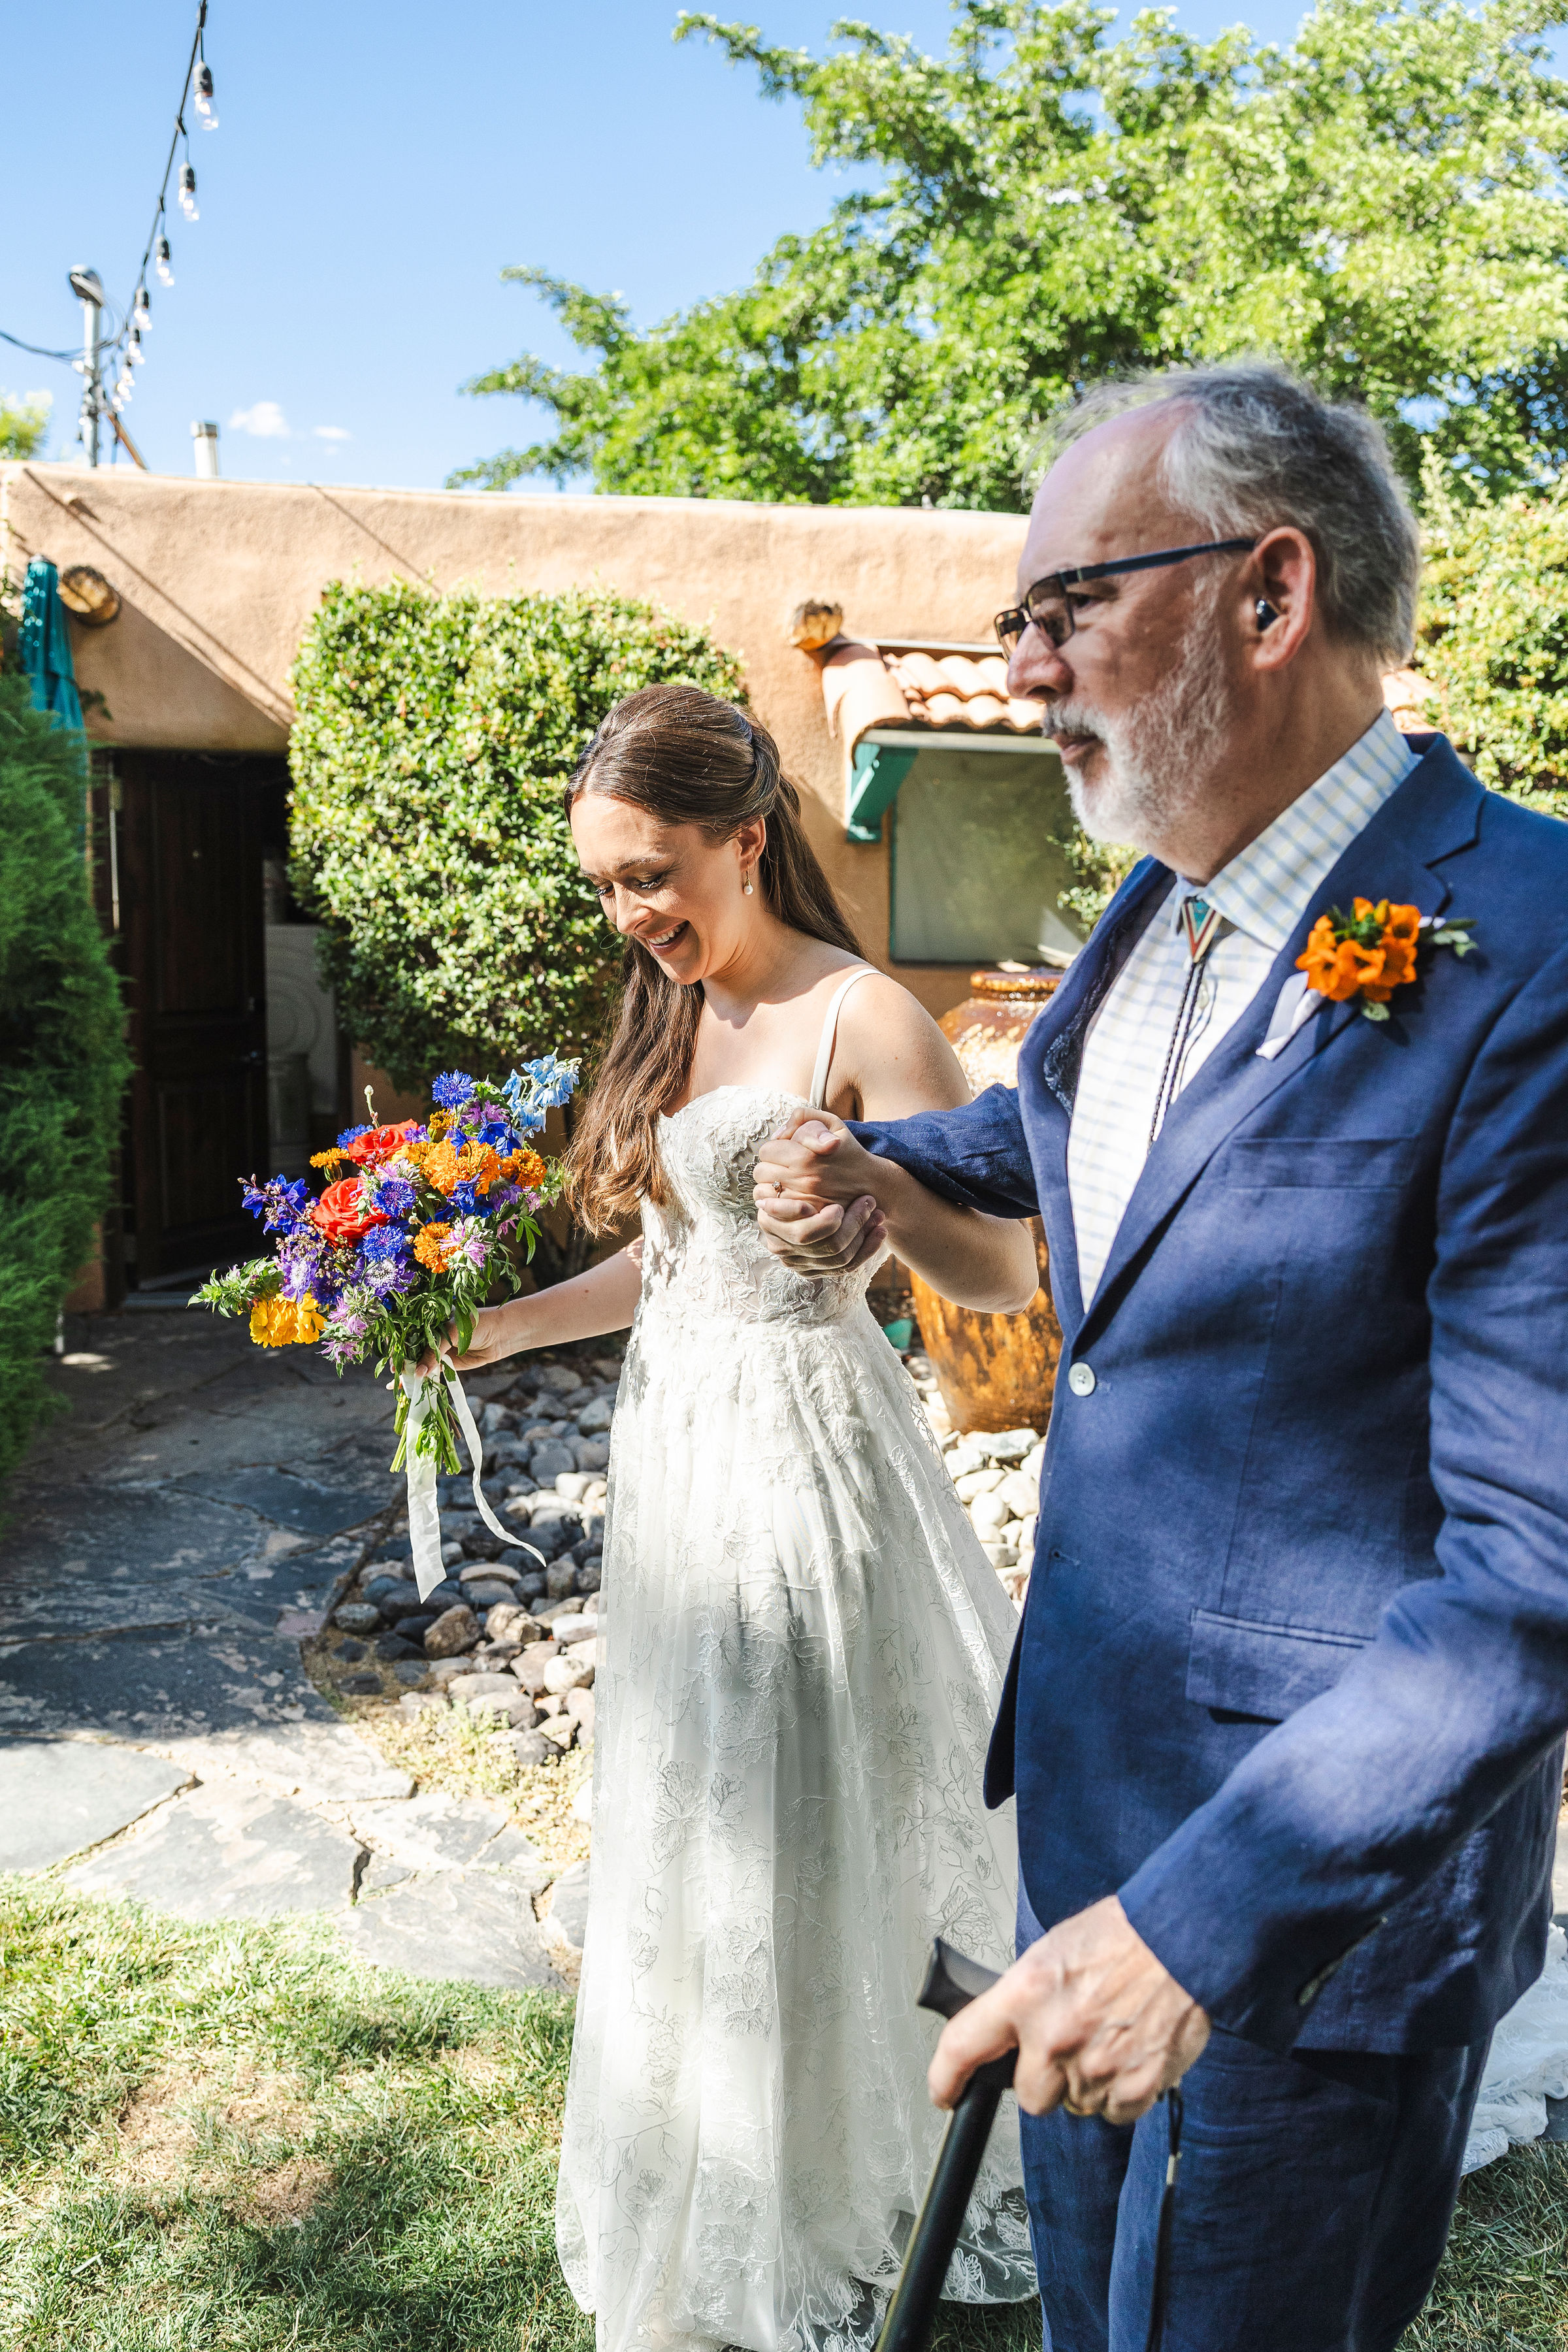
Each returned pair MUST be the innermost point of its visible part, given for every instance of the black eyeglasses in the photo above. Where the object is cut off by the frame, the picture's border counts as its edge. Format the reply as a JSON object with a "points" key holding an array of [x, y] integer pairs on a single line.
{"points": [[1048, 606]]}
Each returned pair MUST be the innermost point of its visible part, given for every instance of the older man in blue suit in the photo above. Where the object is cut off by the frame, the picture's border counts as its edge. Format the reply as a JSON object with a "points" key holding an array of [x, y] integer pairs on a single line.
{"points": [[1285, 1718]]}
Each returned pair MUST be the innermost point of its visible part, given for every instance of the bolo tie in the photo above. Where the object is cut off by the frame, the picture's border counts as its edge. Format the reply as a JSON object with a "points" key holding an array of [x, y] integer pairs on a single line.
{"points": [[1201, 926]]}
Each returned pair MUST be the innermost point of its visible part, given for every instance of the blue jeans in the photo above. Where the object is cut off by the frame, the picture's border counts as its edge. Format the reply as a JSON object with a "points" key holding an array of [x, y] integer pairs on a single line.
{"points": [[1311, 2213]]}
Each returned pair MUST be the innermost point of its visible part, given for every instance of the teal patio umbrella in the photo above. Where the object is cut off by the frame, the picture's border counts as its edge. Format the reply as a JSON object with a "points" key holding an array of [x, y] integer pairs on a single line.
{"points": [[46, 644]]}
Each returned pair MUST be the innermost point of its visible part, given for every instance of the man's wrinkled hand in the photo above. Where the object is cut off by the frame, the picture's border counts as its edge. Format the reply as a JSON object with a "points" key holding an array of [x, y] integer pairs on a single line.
{"points": [[1100, 2026], [814, 1158]]}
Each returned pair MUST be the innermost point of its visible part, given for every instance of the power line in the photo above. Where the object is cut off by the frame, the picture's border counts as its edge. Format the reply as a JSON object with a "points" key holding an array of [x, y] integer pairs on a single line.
{"points": [[36, 349]]}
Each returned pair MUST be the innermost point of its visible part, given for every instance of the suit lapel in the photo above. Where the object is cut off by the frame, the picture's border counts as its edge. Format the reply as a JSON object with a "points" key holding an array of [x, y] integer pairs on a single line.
{"points": [[1048, 1066], [1433, 813]]}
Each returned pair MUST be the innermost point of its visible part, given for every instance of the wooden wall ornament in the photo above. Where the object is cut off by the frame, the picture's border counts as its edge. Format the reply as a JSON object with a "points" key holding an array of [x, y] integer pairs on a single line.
{"points": [[88, 596]]}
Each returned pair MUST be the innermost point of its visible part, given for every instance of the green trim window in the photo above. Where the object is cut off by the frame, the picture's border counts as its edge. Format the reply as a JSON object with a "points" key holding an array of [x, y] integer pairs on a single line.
{"points": [[976, 851]]}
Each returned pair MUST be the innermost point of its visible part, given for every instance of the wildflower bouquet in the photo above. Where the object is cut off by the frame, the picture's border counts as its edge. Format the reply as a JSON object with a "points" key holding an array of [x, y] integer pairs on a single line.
{"points": [[407, 1243]]}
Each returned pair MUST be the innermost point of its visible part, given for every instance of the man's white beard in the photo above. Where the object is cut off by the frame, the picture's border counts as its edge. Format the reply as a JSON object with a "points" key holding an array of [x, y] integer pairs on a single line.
{"points": [[1158, 759]]}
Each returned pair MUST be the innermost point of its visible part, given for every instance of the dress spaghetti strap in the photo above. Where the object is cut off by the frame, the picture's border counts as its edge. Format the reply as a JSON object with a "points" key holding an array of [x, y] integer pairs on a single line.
{"points": [[829, 1031]]}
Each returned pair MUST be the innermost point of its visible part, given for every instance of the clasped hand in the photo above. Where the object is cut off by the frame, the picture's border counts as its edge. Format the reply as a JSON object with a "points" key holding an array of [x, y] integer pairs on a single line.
{"points": [[815, 1208]]}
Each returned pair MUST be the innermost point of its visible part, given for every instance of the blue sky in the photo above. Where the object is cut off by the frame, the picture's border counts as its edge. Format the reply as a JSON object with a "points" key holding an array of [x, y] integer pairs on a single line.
{"points": [[372, 172]]}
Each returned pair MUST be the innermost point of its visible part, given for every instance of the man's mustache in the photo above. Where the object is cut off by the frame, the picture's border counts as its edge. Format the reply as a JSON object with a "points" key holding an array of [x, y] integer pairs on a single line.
{"points": [[1072, 719]]}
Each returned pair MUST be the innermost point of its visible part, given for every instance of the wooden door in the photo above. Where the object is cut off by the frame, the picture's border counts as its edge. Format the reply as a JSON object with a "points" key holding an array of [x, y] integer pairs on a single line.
{"points": [[190, 908]]}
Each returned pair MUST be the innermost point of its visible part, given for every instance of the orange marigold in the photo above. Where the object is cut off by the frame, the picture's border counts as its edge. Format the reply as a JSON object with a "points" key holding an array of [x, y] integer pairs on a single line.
{"points": [[442, 1166], [331, 1159], [430, 1246], [1380, 957]]}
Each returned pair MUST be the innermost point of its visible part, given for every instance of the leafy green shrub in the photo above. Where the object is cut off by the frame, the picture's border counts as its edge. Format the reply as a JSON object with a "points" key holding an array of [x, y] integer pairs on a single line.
{"points": [[434, 736], [1493, 636], [62, 1057]]}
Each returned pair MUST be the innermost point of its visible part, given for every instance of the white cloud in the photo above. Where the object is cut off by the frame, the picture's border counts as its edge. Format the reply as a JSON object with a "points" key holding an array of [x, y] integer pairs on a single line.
{"points": [[264, 422], [332, 433]]}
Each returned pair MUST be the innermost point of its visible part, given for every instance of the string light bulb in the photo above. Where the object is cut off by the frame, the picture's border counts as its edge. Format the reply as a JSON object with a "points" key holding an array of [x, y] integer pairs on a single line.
{"points": [[134, 354], [188, 192], [203, 88], [165, 262], [142, 311]]}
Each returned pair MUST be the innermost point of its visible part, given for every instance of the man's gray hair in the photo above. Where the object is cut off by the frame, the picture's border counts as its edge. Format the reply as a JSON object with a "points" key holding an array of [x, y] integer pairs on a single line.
{"points": [[1254, 447]]}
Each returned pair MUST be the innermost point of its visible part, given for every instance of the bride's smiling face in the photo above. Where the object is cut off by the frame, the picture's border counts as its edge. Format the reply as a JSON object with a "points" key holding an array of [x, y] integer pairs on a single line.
{"points": [[671, 888]]}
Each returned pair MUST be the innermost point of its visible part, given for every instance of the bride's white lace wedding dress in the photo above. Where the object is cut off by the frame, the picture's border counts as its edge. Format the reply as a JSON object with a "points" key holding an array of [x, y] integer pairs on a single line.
{"points": [[803, 1653]]}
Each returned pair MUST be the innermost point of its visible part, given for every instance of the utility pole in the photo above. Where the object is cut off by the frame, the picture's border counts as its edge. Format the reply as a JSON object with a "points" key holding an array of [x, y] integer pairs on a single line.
{"points": [[88, 287]]}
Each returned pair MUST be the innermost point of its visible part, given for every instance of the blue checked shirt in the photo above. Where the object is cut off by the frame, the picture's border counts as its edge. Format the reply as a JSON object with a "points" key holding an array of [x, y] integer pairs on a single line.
{"points": [[1262, 894]]}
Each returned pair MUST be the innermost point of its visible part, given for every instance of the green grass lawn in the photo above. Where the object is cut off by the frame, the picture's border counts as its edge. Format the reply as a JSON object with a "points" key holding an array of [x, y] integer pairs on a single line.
{"points": [[221, 2139]]}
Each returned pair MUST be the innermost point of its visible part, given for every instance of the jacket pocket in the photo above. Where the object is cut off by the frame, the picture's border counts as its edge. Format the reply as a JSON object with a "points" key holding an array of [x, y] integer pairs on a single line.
{"points": [[1241, 1667], [1354, 1162]]}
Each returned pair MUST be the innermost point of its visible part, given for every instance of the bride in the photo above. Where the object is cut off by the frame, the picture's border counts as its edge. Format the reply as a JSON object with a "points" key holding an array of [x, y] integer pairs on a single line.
{"points": [[804, 1641]]}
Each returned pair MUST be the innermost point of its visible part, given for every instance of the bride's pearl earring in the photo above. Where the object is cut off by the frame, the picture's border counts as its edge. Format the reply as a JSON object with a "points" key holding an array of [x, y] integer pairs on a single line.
{"points": [[746, 887]]}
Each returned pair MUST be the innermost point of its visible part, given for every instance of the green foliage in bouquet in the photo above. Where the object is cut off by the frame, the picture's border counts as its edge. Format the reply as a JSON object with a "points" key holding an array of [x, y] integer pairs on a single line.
{"points": [[433, 737], [1493, 636], [62, 1056]]}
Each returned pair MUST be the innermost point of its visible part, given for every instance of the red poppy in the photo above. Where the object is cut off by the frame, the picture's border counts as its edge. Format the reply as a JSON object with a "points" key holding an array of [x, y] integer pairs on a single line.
{"points": [[342, 1215]]}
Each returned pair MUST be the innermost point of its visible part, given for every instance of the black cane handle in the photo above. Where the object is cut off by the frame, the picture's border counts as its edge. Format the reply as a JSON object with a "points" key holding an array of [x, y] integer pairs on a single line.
{"points": [[953, 1982]]}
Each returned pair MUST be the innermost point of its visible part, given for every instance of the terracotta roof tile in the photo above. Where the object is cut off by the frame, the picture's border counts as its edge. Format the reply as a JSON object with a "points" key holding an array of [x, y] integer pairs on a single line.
{"points": [[863, 687]]}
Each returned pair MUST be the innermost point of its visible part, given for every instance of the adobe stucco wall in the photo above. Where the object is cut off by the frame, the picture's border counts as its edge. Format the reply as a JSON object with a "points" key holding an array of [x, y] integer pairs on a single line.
{"points": [[217, 581]]}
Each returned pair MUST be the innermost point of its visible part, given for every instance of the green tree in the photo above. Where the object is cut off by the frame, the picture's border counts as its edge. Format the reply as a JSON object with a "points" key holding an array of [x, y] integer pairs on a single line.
{"points": [[434, 736], [1493, 636], [62, 1058], [1379, 203], [24, 422]]}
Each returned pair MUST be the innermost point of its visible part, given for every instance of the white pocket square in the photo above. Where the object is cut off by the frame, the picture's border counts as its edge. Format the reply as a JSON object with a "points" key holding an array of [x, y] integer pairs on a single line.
{"points": [[1295, 1003]]}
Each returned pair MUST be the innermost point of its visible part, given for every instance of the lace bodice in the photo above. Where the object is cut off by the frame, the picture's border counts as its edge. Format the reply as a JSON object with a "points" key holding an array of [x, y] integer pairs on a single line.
{"points": [[703, 1253]]}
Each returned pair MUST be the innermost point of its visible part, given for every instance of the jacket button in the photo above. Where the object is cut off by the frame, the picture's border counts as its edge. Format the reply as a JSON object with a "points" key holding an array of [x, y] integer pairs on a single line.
{"points": [[1080, 1380]]}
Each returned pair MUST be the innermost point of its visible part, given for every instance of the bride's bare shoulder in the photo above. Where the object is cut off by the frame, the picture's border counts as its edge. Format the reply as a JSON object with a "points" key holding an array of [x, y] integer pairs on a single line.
{"points": [[891, 1055]]}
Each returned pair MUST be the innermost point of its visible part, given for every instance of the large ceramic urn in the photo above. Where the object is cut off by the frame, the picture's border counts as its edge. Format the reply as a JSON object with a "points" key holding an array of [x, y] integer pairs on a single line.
{"points": [[996, 1371]]}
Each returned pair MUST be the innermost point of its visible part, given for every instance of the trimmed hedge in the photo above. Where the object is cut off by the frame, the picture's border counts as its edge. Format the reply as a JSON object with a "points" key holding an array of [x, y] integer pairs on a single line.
{"points": [[63, 1062], [434, 736]]}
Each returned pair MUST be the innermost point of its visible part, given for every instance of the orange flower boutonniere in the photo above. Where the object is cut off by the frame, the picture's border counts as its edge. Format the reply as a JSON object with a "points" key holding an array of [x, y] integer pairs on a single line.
{"points": [[1371, 951]]}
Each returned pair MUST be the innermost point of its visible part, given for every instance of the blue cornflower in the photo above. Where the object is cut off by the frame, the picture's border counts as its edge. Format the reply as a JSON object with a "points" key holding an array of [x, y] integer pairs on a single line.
{"points": [[384, 1242], [453, 1088], [351, 1135], [395, 1196]]}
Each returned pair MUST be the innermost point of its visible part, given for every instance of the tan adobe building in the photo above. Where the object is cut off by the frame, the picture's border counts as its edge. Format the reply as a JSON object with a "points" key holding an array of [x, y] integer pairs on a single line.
{"points": [[934, 804]]}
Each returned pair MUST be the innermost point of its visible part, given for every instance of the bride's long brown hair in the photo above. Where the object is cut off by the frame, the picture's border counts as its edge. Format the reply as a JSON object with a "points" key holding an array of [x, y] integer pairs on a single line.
{"points": [[688, 759]]}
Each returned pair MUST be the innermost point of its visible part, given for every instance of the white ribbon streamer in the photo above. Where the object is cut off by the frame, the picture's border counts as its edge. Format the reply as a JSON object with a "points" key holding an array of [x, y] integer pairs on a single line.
{"points": [[424, 1513], [1292, 1007]]}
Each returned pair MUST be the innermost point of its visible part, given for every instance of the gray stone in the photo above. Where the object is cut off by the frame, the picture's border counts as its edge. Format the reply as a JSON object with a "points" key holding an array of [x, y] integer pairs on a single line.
{"points": [[592, 1453], [590, 1575], [571, 1628], [349, 1653], [433, 1832], [571, 1669], [357, 1617], [399, 1601], [580, 1708], [445, 1671], [379, 1874], [550, 1457], [394, 1645], [487, 1571], [416, 1702], [327, 1762], [562, 1379], [227, 1851], [364, 1686], [561, 1730], [453, 1630], [1005, 1444], [529, 1669], [472, 1926], [596, 1418], [530, 1748], [510, 1622], [608, 1368], [569, 1904], [491, 1596], [412, 1671], [451, 1553], [61, 1796]]}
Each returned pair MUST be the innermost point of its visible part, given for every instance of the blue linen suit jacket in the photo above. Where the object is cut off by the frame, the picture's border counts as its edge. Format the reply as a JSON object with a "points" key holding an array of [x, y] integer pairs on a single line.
{"points": [[1292, 1676]]}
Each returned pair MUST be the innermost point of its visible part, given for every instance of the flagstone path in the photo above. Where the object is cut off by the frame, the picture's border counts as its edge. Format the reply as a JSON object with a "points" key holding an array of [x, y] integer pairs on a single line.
{"points": [[167, 1544]]}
